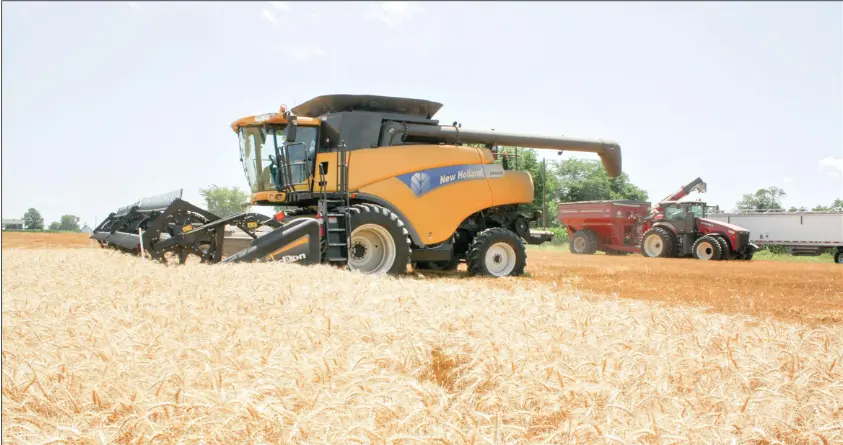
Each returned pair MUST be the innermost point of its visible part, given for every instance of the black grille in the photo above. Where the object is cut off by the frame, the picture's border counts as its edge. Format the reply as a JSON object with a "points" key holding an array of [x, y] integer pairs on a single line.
{"points": [[743, 240]]}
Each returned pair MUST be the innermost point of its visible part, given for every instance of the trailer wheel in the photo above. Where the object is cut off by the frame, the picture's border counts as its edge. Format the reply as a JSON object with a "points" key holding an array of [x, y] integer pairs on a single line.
{"points": [[658, 242], [838, 256], [380, 243], [707, 248], [496, 252], [583, 242]]}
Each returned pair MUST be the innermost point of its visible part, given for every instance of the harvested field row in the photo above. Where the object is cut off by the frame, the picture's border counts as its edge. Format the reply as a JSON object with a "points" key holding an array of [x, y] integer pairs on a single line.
{"points": [[803, 292], [99, 347]]}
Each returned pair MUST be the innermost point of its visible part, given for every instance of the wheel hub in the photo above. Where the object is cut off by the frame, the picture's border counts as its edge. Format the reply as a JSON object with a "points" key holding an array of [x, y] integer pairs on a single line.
{"points": [[373, 249], [500, 259], [358, 251]]}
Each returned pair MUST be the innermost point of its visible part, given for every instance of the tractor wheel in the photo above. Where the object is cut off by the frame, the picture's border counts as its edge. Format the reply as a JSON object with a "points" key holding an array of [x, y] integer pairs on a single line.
{"points": [[583, 242], [707, 248], [497, 252], [380, 243], [725, 252], [658, 242]]}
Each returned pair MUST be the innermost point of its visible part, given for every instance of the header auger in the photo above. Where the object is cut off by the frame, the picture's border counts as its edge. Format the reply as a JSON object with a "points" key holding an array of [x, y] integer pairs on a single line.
{"points": [[374, 183]]}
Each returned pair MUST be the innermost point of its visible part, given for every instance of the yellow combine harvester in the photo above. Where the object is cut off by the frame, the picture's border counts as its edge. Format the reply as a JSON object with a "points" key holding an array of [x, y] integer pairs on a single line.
{"points": [[380, 169]]}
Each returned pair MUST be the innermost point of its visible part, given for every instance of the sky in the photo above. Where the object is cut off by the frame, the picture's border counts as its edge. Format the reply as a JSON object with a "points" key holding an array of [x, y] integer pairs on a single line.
{"points": [[108, 102]]}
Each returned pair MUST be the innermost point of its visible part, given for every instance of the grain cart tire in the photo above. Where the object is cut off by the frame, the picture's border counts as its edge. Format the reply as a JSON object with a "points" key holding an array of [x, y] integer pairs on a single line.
{"points": [[725, 252], [583, 242], [707, 248], [658, 242], [496, 252], [380, 242]]}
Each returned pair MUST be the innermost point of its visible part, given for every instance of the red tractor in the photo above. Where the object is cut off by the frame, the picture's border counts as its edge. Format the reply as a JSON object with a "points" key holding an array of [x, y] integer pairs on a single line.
{"points": [[671, 229]]}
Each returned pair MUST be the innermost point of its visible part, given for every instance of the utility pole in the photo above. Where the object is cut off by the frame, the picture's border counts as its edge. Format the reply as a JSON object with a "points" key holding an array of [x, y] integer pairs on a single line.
{"points": [[544, 194]]}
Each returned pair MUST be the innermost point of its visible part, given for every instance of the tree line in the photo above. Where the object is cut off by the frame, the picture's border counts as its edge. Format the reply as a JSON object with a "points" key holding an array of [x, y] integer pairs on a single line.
{"points": [[32, 220]]}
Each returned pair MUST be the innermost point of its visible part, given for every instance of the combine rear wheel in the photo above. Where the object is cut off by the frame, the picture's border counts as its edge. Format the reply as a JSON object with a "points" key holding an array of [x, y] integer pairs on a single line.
{"points": [[380, 243], [707, 248], [497, 252], [658, 242], [584, 242]]}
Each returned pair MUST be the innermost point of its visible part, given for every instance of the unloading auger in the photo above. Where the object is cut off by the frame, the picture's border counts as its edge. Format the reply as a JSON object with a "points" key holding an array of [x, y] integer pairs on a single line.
{"points": [[163, 226]]}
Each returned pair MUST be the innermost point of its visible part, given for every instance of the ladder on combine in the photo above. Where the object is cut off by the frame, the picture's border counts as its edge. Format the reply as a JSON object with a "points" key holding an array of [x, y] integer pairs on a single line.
{"points": [[334, 208]]}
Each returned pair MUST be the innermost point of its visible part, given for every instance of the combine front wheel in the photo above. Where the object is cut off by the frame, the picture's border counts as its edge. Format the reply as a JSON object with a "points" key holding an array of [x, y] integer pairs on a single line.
{"points": [[658, 242], [497, 252], [707, 248], [380, 244]]}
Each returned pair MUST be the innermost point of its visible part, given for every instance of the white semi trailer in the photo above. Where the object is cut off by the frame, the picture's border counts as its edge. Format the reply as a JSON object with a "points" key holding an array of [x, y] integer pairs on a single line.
{"points": [[803, 233]]}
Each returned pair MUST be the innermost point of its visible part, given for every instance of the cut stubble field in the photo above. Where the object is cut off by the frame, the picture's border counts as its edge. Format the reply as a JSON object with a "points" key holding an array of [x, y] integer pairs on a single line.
{"points": [[100, 347]]}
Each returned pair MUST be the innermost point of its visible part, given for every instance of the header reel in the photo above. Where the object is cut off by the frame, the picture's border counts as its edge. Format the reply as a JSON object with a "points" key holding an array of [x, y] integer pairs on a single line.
{"points": [[164, 226]]}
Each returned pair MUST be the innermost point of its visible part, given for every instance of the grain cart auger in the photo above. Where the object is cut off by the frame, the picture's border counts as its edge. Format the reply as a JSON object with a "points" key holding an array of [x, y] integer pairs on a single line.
{"points": [[165, 225], [391, 187]]}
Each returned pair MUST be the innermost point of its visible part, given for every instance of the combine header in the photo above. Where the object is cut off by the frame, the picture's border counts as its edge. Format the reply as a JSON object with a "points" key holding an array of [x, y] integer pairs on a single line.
{"points": [[375, 184], [161, 226]]}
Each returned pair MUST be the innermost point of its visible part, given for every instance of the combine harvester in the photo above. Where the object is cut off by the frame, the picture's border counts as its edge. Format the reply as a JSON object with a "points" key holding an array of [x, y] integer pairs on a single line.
{"points": [[405, 188], [802, 233], [672, 229]]}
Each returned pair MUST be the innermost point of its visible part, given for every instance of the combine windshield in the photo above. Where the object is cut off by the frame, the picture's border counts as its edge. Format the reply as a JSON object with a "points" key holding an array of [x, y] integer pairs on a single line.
{"points": [[256, 146]]}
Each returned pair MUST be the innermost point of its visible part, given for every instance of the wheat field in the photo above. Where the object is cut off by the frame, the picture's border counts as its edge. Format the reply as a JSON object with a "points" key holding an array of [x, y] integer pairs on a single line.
{"points": [[100, 347]]}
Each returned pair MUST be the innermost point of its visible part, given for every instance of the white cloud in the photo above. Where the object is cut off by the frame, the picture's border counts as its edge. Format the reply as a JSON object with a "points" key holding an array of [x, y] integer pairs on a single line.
{"points": [[304, 52], [269, 16], [134, 5], [393, 14], [281, 6], [835, 165]]}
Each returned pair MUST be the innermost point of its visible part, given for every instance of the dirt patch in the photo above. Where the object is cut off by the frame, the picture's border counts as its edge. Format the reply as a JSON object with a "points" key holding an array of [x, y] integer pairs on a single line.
{"points": [[29, 240], [809, 292]]}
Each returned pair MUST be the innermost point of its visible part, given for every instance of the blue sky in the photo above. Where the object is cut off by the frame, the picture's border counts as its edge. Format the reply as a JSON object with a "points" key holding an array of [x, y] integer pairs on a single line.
{"points": [[106, 102]]}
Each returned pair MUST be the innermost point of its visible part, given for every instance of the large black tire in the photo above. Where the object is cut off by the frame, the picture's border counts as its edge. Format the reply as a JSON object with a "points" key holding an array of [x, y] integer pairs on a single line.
{"points": [[583, 242], [725, 251], [509, 250], [662, 246], [707, 248], [387, 228], [838, 256]]}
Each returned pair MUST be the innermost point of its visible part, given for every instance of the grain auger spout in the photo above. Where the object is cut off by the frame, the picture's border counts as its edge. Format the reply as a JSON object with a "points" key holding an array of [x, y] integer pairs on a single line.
{"points": [[609, 151], [165, 225]]}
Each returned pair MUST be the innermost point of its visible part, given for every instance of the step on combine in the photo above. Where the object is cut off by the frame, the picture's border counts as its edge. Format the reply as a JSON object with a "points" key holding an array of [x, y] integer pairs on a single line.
{"points": [[372, 183], [670, 229]]}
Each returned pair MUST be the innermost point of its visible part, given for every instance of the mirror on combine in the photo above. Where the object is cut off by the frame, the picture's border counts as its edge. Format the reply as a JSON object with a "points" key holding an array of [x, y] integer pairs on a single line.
{"points": [[291, 131]]}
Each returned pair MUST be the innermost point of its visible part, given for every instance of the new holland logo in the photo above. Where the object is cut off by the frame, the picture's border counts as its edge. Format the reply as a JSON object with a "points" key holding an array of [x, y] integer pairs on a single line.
{"points": [[425, 181]]}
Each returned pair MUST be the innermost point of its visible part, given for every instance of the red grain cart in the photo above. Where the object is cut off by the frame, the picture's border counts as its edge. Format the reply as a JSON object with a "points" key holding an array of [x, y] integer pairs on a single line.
{"points": [[613, 227]]}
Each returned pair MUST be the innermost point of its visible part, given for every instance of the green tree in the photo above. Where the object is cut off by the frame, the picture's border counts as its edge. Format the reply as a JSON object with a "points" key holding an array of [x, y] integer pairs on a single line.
{"points": [[526, 159], [225, 201], [69, 223], [762, 200], [587, 180], [32, 220], [55, 225], [797, 209], [836, 206]]}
